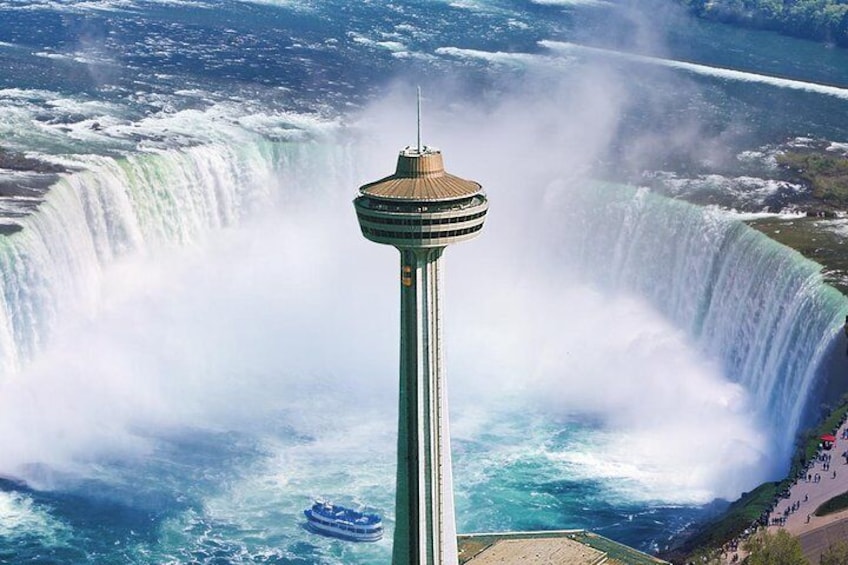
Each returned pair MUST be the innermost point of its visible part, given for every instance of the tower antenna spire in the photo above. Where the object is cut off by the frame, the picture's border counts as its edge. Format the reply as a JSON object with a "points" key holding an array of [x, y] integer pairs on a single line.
{"points": [[419, 120]]}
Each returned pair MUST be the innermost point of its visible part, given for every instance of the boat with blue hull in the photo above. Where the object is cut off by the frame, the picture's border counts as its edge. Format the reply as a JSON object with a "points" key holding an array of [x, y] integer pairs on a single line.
{"points": [[341, 522]]}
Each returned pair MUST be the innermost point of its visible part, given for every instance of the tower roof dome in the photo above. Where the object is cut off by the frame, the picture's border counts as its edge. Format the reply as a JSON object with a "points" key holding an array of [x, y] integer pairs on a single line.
{"points": [[420, 176]]}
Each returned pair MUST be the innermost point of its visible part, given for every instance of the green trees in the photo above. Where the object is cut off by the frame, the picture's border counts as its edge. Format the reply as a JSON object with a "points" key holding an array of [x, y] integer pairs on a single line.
{"points": [[836, 554], [775, 549], [823, 20], [781, 548]]}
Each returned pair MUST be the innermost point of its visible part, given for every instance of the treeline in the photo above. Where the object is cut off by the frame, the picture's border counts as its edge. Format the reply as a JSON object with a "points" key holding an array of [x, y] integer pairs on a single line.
{"points": [[822, 20]]}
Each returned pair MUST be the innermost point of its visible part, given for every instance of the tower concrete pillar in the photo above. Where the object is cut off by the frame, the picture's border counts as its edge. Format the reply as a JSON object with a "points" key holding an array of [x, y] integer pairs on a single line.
{"points": [[426, 532]]}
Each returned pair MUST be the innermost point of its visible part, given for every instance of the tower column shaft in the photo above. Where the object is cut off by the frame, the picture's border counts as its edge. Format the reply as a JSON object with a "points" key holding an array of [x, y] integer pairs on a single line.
{"points": [[425, 529]]}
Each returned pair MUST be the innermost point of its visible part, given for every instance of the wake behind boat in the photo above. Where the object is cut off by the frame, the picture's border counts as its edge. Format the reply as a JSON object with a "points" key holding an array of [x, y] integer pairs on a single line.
{"points": [[341, 522]]}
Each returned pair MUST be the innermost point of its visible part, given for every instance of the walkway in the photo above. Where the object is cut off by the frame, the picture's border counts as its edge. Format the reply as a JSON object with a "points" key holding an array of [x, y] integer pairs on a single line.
{"points": [[807, 495], [826, 478]]}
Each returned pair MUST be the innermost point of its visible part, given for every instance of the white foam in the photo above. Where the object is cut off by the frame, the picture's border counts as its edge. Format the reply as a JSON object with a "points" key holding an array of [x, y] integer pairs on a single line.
{"points": [[64, 122], [747, 216], [570, 2], [82, 57], [95, 5], [704, 70], [499, 57], [394, 46], [26, 94], [472, 5], [837, 147], [838, 226], [767, 158], [745, 190], [302, 6], [21, 517]]}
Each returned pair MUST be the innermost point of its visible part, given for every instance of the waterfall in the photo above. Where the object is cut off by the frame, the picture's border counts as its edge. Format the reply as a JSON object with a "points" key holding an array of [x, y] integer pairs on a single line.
{"points": [[138, 203], [761, 309]]}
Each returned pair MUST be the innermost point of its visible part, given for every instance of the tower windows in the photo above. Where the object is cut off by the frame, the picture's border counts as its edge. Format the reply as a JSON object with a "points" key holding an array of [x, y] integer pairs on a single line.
{"points": [[422, 235]]}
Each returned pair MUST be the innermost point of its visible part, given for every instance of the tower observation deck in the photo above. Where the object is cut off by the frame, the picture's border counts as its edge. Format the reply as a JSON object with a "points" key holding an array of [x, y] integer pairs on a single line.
{"points": [[420, 210]]}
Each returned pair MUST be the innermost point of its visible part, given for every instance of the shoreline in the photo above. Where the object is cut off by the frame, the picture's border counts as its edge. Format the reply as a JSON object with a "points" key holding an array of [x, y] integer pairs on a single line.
{"points": [[821, 235], [729, 533]]}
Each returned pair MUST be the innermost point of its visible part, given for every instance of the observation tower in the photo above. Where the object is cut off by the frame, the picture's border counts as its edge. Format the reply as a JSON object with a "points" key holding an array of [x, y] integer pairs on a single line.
{"points": [[421, 209]]}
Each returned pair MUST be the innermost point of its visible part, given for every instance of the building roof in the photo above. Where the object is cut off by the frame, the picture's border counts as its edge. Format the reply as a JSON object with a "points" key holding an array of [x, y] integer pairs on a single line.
{"points": [[550, 551], [420, 176], [562, 547]]}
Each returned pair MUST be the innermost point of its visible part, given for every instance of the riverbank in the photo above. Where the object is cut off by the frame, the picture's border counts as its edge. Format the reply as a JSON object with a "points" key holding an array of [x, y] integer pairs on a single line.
{"points": [[802, 512], [763, 506], [820, 239], [823, 21], [819, 228]]}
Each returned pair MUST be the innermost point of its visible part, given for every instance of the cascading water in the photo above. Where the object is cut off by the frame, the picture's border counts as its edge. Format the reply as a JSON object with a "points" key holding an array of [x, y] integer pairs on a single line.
{"points": [[761, 308], [756, 305], [129, 205]]}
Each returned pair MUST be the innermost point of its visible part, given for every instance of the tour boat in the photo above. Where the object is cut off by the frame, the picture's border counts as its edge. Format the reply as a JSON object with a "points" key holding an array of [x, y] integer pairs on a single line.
{"points": [[337, 521]]}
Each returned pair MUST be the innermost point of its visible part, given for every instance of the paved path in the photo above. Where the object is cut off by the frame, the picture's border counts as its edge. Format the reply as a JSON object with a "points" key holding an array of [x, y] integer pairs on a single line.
{"points": [[814, 542], [815, 533], [807, 495]]}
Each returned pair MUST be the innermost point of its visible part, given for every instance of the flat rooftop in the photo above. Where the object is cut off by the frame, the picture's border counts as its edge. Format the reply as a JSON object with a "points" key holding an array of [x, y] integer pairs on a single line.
{"points": [[561, 547]]}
